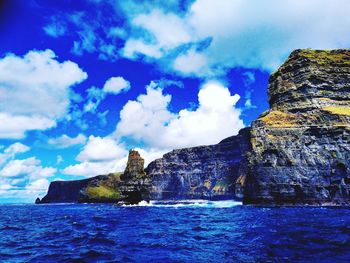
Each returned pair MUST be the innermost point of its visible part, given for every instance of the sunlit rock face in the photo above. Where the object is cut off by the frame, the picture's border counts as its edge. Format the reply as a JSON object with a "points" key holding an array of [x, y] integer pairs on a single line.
{"points": [[300, 148], [134, 167], [135, 184], [208, 172]]}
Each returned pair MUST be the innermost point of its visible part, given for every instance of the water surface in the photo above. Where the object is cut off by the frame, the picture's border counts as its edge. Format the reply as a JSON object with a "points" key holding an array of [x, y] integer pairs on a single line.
{"points": [[196, 231]]}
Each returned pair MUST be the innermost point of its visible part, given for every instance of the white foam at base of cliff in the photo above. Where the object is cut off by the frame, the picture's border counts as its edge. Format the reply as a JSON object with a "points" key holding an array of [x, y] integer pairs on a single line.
{"points": [[189, 203]]}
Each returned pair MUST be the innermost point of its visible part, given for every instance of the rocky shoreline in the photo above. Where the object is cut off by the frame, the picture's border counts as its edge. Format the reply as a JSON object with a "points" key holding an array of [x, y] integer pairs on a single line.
{"points": [[297, 153]]}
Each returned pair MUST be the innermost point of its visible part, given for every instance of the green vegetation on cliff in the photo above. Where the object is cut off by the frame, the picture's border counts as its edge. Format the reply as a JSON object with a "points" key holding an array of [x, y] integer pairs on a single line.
{"points": [[325, 57], [102, 192], [105, 190]]}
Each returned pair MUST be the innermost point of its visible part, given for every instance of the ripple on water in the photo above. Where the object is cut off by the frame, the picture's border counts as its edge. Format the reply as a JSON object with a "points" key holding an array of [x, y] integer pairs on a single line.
{"points": [[167, 232]]}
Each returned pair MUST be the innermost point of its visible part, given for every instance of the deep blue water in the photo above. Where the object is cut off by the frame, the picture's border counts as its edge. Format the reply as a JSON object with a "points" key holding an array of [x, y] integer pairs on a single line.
{"points": [[214, 232]]}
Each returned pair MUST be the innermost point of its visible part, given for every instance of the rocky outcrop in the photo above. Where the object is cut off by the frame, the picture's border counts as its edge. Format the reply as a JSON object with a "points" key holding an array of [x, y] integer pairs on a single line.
{"points": [[135, 183], [208, 172], [300, 148], [129, 187]]}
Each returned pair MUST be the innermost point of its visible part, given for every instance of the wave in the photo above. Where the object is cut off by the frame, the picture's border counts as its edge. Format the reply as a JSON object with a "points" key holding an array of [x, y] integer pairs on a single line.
{"points": [[188, 203]]}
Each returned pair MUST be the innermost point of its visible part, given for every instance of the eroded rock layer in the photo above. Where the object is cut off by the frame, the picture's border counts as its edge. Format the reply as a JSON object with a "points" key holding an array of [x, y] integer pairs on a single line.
{"points": [[208, 172], [301, 147]]}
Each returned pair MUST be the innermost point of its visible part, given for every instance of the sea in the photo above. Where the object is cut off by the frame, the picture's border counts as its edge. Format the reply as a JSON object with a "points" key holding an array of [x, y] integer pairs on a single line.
{"points": [[186, 231]]}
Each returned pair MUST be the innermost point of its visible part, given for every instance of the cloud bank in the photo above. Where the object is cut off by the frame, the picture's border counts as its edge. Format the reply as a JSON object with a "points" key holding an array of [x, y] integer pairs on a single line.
{"points": [[34, 91]]}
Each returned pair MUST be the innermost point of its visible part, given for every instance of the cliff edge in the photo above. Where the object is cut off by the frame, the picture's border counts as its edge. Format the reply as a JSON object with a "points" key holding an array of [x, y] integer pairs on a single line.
{"points": [[300, 148]]}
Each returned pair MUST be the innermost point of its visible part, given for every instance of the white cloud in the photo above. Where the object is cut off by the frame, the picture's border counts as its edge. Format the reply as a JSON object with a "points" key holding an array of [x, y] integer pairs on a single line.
{"points": [[149, 120], [27, 167], [150, 154], [113, 85], [99, 156], [99, 149], [65, 141], [34, 91], [23, 178], [89, 169], [191, 62], [116, 85], [16, 148], [133, 47], [11, 151], [15, 126], [240, 34]]}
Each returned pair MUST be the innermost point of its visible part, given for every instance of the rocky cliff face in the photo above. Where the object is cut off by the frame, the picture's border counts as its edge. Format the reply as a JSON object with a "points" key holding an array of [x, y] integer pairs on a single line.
{"points": [[301, 148], [135, 183], [208, 172], [129, 187], [68, 191], [296, 153]]}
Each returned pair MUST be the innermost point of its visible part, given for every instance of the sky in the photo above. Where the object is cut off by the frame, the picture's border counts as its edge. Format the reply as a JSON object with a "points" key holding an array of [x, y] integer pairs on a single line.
{"points": [[84, 81]]}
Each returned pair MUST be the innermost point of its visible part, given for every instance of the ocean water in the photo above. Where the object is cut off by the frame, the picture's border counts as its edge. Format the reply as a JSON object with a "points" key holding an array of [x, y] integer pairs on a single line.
{"points": [[189, 231]]}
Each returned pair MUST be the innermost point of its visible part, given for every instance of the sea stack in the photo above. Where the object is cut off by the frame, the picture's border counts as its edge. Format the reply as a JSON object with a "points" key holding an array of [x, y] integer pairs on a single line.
{"points": [[135, 184]]}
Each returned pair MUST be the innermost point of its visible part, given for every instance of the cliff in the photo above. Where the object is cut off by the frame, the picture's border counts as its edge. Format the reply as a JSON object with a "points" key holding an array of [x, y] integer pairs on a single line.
{"points": [[208, 172], [68, 191], [300, 148], [129, 187], [296, 153]]}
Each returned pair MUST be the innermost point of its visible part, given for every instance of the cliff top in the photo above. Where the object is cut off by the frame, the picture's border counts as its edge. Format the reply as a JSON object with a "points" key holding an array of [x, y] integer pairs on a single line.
{"points": [[319, 58], [312, 86]]}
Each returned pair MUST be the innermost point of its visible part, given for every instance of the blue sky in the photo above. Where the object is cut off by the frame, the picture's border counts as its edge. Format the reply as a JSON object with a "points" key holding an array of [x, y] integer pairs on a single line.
{"points": [[82, 82]]}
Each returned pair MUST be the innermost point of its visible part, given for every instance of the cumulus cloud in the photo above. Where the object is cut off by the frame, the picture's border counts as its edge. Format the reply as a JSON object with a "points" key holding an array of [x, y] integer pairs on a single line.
{"points": [[165, 31], [116, 85], [240, 33], [11, 151], [89, 169], [113, 85], [35, 91], [101, 149], [65, 141], [22, 177], [103, 155], [148, 119], [30, 167], [98, 156]]}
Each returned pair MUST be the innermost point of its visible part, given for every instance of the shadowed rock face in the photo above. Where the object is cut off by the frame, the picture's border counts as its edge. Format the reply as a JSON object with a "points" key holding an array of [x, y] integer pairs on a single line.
{"points": [[301, 147], [208, 172], [68, 191]]}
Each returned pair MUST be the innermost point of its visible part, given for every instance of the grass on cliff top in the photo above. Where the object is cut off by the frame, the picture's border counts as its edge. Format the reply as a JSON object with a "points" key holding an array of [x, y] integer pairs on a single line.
{"points": [[338, 110], [279, 119], [323, 57], [102, 192]]}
